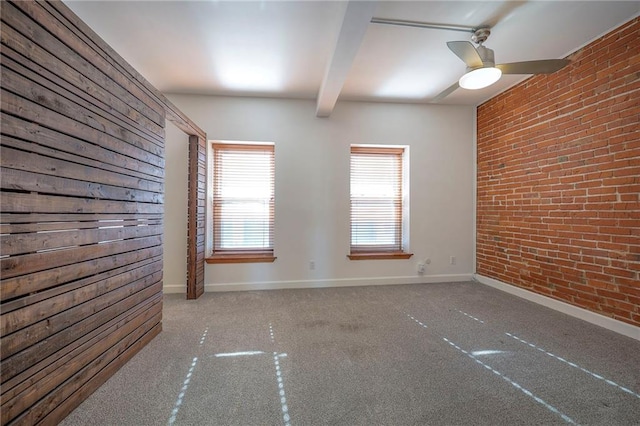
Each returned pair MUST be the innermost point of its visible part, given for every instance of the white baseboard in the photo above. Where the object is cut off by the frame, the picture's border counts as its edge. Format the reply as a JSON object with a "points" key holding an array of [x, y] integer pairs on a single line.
{"points": [[583, 314], [340, 282], [174, 289]]}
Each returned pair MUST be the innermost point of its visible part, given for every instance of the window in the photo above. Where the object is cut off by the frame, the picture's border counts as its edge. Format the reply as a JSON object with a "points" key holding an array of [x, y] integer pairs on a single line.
{"points": [[243, 203], [378, 208]]}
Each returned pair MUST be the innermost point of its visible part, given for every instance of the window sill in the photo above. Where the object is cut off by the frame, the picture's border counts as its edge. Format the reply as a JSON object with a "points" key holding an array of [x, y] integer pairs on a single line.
{"points": [[241, 258], [379, 256]]}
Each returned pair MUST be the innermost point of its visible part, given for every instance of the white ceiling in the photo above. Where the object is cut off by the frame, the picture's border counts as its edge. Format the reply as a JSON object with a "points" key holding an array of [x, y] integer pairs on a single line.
{"points": [[322, 49]]}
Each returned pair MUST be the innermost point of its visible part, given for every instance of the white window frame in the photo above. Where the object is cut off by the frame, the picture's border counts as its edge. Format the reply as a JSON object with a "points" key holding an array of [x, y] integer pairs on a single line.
{"points": [[375, 253], [234, 255]]}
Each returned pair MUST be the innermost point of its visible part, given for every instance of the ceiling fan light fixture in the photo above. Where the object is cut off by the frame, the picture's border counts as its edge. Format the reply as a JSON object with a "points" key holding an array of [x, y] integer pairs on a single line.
{"points": [[480, 78]]}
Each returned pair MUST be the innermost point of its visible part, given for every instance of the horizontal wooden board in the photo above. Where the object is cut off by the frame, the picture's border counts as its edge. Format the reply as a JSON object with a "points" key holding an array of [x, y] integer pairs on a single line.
{"points": [[70, 38], [15, 228], [23, 50], [65, 407], [39, 411], [20, 159], [15, 105], [8, 218], [32, 137], [17, 202], [58, 372], [30, 263], [20, 180], [11, 322], [43, 348], [37, 34], [30, 90], [28, 336], [12, 60], [98, 47], [41, 369], [81, 29], [15, 244], [46, 284]]}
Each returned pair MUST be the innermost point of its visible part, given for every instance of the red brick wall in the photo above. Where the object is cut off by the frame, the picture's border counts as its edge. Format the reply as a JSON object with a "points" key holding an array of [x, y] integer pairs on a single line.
{"points": [[558, 208]]}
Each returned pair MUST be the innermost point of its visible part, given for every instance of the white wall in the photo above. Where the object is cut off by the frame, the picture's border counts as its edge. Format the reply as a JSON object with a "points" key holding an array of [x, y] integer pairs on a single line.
{"points": [[312, 187], [175, 209]]}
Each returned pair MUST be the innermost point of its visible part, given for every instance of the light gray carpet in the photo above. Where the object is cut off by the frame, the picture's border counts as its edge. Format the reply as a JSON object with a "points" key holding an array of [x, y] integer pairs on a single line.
{"points": [[438, 354]]}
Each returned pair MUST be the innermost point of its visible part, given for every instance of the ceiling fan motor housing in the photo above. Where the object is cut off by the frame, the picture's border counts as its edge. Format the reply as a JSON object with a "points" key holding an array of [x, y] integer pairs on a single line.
{"points": [[487, 56], [480, 35]]}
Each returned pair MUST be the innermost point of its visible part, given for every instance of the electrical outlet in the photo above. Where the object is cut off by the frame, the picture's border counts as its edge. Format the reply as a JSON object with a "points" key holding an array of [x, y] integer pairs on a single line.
{"points": [[421, 268], [452, 260], [312, 265]]}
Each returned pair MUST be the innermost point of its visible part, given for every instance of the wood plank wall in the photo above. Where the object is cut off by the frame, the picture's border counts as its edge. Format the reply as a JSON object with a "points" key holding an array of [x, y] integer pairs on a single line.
{"points": [[196, 216], [81, 200]]}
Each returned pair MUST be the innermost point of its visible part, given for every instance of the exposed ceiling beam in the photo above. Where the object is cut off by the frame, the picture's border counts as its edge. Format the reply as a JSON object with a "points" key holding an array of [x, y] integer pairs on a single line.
{"points": [[357, 17]]}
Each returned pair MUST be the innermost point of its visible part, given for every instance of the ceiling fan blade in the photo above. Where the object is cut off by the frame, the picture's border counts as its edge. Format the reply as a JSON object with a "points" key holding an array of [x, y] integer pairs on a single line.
{"points": [[546, 66], [446, 92], [465, 51]]}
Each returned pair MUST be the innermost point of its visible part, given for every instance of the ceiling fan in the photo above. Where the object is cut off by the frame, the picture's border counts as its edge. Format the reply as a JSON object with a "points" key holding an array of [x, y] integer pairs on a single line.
{"points": [[482, 70]]}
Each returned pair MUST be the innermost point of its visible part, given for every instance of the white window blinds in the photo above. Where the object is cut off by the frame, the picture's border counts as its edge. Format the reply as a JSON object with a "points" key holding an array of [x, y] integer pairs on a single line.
{"points": [[243, 198], [376, 199]]}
